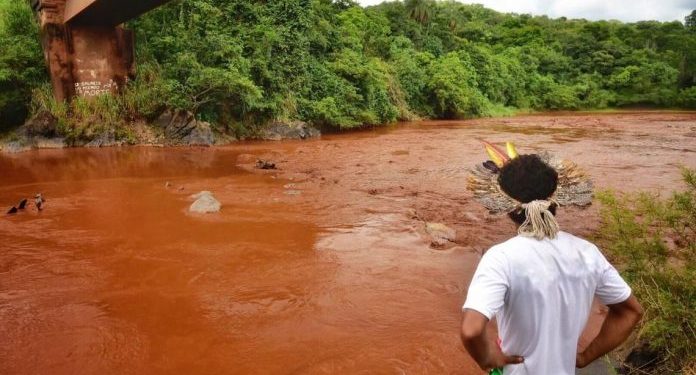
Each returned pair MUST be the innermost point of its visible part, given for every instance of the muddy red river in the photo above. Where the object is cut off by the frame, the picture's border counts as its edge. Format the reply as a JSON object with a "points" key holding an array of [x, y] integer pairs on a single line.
{"points": [[321, 266]]}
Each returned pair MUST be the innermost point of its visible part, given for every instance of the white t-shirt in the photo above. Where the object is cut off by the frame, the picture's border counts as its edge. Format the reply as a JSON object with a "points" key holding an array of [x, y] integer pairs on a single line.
{"points": [[541, 293]]}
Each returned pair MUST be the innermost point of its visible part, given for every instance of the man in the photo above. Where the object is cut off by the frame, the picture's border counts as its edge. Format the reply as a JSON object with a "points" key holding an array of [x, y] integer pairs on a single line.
{"points": [[540, 285]]}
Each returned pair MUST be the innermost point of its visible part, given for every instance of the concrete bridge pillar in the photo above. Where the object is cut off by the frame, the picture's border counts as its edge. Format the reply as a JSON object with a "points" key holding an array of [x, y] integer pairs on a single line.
{"points": [[86, 51]]}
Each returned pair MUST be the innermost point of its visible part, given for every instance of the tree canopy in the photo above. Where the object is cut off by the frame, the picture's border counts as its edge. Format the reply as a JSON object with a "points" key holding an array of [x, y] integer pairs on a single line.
{"points": [[241, 63]]}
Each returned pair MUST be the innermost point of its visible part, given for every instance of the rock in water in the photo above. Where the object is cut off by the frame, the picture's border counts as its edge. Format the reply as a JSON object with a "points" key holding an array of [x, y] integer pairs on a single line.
{"points": [[14, 147], [39, 201], [12, 211], [264, 164], [22, 205], [441, 234], [205, 203]]}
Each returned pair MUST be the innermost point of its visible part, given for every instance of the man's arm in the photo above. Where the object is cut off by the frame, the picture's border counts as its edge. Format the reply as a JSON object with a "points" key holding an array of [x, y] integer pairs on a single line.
{"points": [[620, 321], [476, 342]]}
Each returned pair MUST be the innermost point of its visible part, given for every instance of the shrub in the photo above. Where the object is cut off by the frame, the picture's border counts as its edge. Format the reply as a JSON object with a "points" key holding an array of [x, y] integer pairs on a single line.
{"points": [[653, 240], [687, 97]]}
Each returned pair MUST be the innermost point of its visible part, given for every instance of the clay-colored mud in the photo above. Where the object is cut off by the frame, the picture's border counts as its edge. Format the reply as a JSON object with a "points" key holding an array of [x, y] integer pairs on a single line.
{"points": [[322, 266]]}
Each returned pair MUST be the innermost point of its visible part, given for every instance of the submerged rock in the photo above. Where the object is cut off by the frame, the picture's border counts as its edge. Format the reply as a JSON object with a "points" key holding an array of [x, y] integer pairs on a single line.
{"points": [[39, 201], [441, 234], [204, 203], [265, 164], [289, 130]]}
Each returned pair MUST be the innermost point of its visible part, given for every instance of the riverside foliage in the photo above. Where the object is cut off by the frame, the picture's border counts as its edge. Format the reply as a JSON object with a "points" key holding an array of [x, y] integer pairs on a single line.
{"points": [[241, 63], [653, 240]]}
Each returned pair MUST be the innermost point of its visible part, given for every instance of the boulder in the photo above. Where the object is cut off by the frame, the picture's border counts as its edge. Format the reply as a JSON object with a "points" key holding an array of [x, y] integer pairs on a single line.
{"points": [[42, 142], [182, 128], [204, 203], [440, 234], [106, 139], [42, 124], [289, 130], [200, 135], [14, 147], [265, 164], [40, 131]]}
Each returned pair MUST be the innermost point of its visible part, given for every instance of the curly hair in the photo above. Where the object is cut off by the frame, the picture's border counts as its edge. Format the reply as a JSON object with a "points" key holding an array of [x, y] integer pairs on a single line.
{"points": [[527, 178]]}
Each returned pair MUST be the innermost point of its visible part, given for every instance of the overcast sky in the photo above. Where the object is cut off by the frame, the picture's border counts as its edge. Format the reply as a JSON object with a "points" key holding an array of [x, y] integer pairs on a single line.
{"points": [[624, 10]]}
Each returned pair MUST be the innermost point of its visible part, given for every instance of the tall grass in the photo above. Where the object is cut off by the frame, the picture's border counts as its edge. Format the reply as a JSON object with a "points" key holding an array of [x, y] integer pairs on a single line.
{"points": [[83, 119], [653, 240]]}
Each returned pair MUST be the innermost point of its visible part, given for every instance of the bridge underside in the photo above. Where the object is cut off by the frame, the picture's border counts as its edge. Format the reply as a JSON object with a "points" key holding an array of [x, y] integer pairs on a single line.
{"points": [[107, 12], [87, 52]]}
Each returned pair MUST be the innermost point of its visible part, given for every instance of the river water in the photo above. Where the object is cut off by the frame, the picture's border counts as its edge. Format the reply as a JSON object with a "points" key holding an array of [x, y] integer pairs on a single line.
{"points": [[322, 266]]}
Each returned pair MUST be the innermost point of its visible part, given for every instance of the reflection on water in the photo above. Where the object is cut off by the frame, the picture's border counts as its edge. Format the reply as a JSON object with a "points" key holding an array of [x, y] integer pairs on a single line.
{"points": [[116, 277]]}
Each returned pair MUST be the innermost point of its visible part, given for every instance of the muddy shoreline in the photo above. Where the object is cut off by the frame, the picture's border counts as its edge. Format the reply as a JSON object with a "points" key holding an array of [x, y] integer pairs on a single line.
{"points": [[321, 266], [148, 134]]}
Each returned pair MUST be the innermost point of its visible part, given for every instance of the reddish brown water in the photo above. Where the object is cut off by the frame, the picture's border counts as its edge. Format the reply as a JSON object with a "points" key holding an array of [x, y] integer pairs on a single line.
{"points": [[320, 267]]}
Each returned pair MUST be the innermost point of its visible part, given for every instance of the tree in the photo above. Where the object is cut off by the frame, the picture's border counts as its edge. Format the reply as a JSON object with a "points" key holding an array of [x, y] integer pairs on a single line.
{"points": [[690, 21], [22, 67], [420, 10], [452, 83]]}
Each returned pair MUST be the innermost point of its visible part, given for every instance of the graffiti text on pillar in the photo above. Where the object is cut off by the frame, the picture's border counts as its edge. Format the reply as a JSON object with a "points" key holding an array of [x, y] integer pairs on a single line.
{"points": [[95, 88]]}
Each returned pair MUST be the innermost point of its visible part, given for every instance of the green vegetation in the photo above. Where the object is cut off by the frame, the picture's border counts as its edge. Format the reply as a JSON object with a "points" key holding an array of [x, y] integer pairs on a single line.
{"points": [[21, 61], [241, 63], [654, 241], [84, 119]]}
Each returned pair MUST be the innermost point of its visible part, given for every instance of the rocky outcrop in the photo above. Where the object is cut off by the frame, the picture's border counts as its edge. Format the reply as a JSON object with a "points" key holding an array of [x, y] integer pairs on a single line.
{"points": [[14, 147], [106, 139], [42, 142], [278, 131], [204, 203], [182, 128], [43, 124], [40, 131]]}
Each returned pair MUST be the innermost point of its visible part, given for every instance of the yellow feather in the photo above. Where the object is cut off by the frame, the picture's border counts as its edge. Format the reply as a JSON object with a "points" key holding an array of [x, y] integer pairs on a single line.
{"points": [[511, 151], [497, 156]]}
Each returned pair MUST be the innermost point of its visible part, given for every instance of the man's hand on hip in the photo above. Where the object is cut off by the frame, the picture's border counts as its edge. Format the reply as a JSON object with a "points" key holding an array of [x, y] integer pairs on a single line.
{"points": [[499, 359]]}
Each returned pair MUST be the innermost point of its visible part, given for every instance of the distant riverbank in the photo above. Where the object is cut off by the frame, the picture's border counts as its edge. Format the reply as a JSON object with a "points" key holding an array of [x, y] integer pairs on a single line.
{"points": [[177, 128]]}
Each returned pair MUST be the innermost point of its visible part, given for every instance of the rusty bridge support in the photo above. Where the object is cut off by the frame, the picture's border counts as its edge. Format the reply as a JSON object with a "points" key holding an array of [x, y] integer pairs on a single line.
{"points": [[87, 52]]}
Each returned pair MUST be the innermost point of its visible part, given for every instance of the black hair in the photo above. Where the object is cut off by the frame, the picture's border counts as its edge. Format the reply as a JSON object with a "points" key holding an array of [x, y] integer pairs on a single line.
{"points": [[527, 178]]}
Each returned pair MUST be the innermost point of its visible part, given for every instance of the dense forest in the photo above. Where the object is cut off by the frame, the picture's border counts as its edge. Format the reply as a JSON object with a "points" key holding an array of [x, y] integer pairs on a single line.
{"points": [[240, 63]]}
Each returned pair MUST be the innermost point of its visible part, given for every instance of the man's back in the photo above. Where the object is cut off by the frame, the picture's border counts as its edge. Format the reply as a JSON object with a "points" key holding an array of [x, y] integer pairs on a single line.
{"points": [[541, 292]]}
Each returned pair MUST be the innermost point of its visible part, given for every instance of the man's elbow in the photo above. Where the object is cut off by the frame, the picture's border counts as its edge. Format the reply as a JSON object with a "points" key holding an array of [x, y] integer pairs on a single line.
{"points": [[471, 333], [630, 311], [638, 313]]}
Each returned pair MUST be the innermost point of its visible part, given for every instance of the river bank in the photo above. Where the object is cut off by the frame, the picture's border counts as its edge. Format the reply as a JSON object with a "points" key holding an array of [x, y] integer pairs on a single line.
{"points": [[180, 128], [324, 265]]}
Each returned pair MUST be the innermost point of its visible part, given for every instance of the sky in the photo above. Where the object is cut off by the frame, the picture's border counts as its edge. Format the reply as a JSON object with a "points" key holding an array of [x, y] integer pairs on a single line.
{"points": [[624, 10]]}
